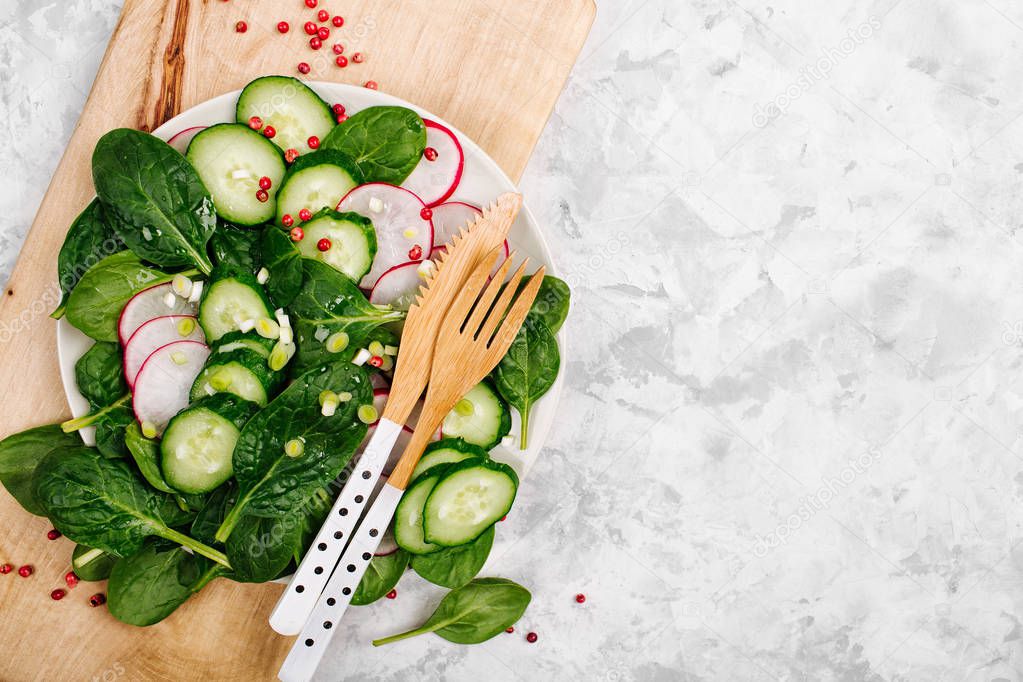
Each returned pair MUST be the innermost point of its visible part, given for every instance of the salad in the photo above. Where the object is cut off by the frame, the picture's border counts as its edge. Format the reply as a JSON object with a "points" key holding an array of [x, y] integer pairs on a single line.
{"points": [[245, 286]]}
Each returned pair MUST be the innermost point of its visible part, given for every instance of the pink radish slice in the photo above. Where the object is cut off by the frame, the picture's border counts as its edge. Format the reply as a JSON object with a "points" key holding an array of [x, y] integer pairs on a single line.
{"points": [[387, 545], [401, 230], [377, 380], [380, 402], [398, 286], [155, 334], [147, 305], [435, 181], [163, 384], [184, 138], [449, 218]]}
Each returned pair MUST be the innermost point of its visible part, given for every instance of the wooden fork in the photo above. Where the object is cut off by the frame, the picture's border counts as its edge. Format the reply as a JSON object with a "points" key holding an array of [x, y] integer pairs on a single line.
{"points": [[476, 333], [419, 339]]}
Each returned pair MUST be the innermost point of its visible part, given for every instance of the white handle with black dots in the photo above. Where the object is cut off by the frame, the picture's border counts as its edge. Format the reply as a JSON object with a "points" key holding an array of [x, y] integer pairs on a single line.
{"points": [[312, 643], [295, 605]]}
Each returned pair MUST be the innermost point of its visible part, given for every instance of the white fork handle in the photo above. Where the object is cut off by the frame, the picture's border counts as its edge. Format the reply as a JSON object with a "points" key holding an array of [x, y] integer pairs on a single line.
{"points": [[297, 602], [312, 643]]}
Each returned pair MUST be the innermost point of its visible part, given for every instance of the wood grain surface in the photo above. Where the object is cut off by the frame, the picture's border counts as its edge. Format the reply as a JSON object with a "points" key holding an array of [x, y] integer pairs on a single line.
{"points": [[494, 68]]}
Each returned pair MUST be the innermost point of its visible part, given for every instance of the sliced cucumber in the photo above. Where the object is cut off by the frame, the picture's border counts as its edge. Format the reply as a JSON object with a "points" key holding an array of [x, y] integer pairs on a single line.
{"points": [[231, 158], [243, 372], [408, 517], [447, 451], [294, 111], [469, 498], [353, 242], [481, 417], [232, 341], [199, 443], [231, 298], [319, 180]]}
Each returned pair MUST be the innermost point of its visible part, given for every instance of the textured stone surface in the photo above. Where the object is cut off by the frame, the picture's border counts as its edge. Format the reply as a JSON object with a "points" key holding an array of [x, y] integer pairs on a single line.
{"points": [[790, 446]]}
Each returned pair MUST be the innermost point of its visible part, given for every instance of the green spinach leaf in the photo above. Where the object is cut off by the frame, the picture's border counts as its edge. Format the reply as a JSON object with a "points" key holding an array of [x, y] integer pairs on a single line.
{"points": [[212, 513], [386, 143], [146, 453], [236, 247], [270, 483], [96, 303], [330, 302], [89, 239], [151, 584], [552, 302], [381, 576], [102, 503], [455, 566], [474, 613], [154, 198], [92, 565], [20, 455], [112, 430], [284, 262], [528, 370], [100, 375]]}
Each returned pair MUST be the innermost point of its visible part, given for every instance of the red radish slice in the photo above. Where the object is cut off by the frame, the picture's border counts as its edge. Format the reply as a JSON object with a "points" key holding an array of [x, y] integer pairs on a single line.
{"points": [[150, 304], [397, 217], [165, 381], [387, 545], [155, 334], [184, 138], [380, 402], [449, 218], [398, 286], [434, 181]]}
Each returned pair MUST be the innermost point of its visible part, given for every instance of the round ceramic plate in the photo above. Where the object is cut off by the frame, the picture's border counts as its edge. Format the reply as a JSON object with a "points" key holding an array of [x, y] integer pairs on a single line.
{"points": [[482, 181]]}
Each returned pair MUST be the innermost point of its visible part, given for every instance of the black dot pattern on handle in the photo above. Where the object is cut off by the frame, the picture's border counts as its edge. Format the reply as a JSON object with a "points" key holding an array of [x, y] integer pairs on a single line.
{"points": [[359, 499], [347, 591], [338, 535], [331, 601], [366, 556], [366, 474], [327, 625], [300, 589], [318, 570], [351, 568], [343, 511], [373, 532], [322, 546], [309, 642]]}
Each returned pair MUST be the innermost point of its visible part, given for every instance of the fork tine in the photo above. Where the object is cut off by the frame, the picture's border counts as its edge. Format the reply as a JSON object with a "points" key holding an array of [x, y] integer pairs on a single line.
{"points": [[511, 289], [502, 339], [479, 313], [471, 290]]}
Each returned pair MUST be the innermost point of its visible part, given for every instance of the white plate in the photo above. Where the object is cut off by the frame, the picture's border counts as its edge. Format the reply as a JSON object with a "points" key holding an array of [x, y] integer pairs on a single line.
{"points": [[482, 181]]}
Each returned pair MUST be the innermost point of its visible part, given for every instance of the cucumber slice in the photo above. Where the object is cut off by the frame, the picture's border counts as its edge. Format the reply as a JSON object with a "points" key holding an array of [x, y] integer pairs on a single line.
{"points": [[469, 498], [243, 372], [231, 299], [294, 111], [481, 417], [353, 242], [199, 443], [408, 517], [231, 158], [235, 340], [317, 181], [447, 451]]}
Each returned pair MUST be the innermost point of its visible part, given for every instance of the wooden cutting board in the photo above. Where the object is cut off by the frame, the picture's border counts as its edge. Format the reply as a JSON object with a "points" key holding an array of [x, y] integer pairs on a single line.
{"points": [[494, 68]]}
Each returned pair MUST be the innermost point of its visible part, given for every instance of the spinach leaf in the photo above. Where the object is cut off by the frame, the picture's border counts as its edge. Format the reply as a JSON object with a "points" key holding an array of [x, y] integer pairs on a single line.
{"points": [[236, 247], [112, 430], [330, 302], [150, 585], [552, 302], [154, 199], [88, 240], [100, 374], [212, 513], [96, 303], [102, 503], [474, 613], [146, 453], [381, 576], [386, 143], [455, 566], [315, 513], [20, 455], [528, 370], [92, 565], [270, 483], [282, 259]]}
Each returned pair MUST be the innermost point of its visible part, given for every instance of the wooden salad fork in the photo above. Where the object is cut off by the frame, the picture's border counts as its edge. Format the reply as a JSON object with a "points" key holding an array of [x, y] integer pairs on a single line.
{"points": [[475, 335], [419, 339]]}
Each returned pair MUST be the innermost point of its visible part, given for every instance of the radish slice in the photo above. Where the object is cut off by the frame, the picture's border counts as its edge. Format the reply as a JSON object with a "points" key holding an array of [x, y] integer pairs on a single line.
{"points": [[387, 544], [150, 304], [448, 219], [398, 286], [163, 384], [155, 334], [435, 181], [380, 402], [377, 380], [402, 233], [184, 138]]}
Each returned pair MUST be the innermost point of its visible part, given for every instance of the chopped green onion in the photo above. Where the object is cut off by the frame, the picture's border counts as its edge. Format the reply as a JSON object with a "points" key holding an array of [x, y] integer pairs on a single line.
{"points": [[368, 414], [337, 342], [268, 328], [465, 408], [376, 348], [281, 355], [186, 326], [294, 448], [149, 429]]}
